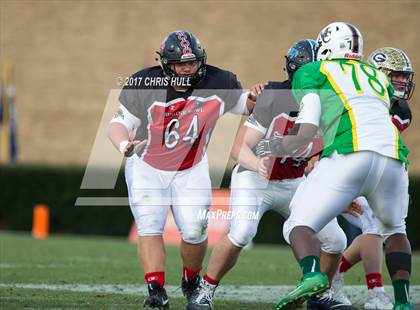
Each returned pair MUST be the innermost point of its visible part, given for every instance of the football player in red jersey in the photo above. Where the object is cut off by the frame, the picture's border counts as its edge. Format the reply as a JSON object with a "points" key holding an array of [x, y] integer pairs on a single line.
{"points": [[261, 184], [172, 110]]}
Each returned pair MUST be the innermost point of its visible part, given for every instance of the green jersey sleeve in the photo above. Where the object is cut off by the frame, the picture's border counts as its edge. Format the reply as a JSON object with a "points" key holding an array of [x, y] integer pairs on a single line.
{"points": [[307, 79]]}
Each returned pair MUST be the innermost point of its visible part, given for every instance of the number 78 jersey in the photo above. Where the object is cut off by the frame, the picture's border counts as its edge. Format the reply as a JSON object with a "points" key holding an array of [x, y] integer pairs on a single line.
{"points": [[355, 102]]}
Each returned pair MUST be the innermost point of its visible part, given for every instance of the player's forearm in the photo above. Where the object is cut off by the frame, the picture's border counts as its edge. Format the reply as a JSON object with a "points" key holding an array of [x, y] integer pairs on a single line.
{"points": [[245, 157], [308, 121], [117, 133], [291, 143], [305, 135]]}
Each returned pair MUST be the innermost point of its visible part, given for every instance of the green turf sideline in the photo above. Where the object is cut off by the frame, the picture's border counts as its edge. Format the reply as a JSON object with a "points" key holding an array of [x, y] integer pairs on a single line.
{"points": [[245, 293], [68, 262]]}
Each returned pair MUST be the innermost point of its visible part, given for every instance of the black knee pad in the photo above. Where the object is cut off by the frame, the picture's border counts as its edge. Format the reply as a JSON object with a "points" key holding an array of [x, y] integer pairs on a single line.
{"points": [[398, 261]]}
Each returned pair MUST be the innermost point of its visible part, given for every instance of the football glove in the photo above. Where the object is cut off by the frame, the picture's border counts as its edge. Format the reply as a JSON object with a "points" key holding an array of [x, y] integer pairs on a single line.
{"points": [[269, 147], [401, 113]]}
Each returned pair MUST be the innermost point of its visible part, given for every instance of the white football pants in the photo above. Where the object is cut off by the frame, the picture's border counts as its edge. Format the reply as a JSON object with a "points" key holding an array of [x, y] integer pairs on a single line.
{"points": [[152, 192], [338, 179], [252, 194]]}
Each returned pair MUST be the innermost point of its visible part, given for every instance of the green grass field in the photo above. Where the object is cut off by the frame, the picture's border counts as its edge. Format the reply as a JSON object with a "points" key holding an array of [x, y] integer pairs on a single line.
{"points": [[94, 272]]}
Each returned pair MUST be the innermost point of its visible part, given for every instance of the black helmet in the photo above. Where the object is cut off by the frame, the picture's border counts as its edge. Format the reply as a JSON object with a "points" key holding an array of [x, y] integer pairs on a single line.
{"points": [[182, 46], [301, 53]]}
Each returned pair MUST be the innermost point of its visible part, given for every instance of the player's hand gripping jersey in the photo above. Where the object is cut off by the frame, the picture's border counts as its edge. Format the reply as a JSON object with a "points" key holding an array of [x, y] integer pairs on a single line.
{"points": [[178, 125], [352, 122], [274, 115]]}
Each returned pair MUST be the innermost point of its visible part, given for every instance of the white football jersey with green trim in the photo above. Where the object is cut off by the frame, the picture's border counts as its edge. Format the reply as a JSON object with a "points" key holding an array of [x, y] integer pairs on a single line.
{"points": [[355, 100]]}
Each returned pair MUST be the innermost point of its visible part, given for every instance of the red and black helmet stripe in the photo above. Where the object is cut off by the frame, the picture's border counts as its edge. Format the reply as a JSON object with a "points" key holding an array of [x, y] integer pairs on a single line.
{"points": [[355, 35]]}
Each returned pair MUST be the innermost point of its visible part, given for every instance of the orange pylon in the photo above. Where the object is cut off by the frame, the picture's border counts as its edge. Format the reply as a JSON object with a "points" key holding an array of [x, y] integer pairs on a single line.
{"points": [[40, 225]]}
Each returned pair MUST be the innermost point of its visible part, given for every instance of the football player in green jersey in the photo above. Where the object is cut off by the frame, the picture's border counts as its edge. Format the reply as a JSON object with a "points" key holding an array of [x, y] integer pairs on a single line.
{"points": [[367, 247], [363, 156]]}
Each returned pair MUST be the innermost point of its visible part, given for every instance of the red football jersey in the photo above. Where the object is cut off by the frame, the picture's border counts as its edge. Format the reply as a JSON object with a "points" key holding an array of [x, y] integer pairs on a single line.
{"points": [[179, 132], [294, 166], [178, 124]]}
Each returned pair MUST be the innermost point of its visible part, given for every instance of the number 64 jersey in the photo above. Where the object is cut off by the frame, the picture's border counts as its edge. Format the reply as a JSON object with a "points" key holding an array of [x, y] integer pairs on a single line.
{"points": [[355, 107], [178, 125]]}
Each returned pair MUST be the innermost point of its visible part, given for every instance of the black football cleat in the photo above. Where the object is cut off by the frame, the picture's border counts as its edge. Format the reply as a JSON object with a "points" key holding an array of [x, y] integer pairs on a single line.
{"points": [[202, 297], [157, 299], [326, 302], [188, 287]]}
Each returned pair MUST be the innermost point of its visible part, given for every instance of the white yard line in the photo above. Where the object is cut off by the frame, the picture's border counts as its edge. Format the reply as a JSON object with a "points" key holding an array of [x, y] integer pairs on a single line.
{"points": [[248, 293]]}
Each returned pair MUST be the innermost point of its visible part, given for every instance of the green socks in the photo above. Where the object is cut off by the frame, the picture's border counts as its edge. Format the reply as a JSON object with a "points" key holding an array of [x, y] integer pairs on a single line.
{"points": [[310, 264], [401, 291]]}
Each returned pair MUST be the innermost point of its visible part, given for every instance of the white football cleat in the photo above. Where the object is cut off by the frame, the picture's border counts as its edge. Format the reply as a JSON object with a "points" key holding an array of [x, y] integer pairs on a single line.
{"points": [[337, 289], [378, 299]]}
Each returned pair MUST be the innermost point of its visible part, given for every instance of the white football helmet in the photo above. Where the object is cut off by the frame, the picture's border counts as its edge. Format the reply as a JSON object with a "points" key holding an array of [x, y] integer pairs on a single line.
{"points": [[340, 40]]}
